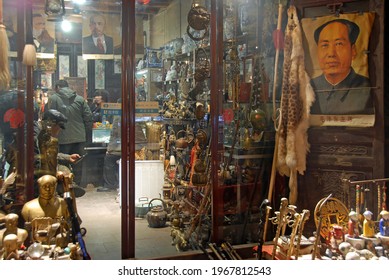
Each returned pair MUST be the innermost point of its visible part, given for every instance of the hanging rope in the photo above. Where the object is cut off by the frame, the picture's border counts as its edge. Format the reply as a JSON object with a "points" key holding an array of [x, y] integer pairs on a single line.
{"points": [[5, 76]]}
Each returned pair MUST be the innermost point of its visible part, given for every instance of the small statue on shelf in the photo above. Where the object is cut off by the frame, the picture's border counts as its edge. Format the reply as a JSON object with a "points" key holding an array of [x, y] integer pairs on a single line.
{"points": [[384, 223], [353, 230], [171, 74], [368, 224], [11, 227], [10, 247]]}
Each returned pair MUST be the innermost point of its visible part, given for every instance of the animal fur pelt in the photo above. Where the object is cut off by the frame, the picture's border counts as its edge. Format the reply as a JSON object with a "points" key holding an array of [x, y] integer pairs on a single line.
{"points": [[296, 100]]}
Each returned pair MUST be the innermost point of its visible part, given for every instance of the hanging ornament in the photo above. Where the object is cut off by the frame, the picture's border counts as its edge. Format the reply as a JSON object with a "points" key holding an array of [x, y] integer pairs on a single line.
{"points": [[198, 20], [55, 10]]}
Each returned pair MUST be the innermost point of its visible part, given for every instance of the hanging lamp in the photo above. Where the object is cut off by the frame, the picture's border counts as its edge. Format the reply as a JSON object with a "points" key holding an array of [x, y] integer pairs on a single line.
{"points": [[55, 10]]}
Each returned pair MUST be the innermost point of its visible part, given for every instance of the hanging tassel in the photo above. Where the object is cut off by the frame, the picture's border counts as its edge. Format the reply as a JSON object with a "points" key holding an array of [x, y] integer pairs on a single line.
{"points": [[5, 76], [29, 52], [29, 55]]}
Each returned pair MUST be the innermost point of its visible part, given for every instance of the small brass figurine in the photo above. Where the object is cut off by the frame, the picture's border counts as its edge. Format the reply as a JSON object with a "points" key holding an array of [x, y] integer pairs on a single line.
{"points": [[11, 227], [10, 247]]}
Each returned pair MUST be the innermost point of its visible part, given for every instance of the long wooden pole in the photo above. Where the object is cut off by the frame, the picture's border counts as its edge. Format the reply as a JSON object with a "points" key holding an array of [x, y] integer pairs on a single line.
{"points": [[277, 54]]}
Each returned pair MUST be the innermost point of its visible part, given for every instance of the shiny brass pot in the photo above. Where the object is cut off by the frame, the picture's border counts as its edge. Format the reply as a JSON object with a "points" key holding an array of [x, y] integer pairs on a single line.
{"points": [[157, 216]]}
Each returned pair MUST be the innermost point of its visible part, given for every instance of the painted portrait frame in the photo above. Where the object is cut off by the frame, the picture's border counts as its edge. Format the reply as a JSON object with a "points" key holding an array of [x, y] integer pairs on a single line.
{"points": [[344, 103], [45, 43], [111, 35]]}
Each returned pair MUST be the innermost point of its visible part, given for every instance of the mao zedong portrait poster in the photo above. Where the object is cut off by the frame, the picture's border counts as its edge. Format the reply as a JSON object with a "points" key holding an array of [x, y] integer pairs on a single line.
{"points": [[338, 63]]}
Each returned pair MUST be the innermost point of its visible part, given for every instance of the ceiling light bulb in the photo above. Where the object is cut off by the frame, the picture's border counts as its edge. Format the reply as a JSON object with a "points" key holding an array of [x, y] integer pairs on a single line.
{"points": [[79, 2], [66, 25]]}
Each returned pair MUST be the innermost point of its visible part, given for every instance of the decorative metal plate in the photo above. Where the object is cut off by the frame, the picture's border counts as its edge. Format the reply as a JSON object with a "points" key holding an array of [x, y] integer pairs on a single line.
{"points": [[333, 212]]}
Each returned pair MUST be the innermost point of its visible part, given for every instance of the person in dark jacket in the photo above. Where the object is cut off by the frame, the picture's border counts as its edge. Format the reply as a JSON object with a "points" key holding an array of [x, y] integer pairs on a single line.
{"points": [[101, 96], [75, 108]]}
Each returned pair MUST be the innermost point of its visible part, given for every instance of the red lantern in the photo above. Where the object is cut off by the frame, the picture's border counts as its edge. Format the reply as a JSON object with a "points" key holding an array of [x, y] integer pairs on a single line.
{"points": [[143, 2]]}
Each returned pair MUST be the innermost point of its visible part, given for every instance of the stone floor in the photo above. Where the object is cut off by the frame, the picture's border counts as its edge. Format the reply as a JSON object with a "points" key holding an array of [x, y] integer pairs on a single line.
{"points": [[101, 217]]}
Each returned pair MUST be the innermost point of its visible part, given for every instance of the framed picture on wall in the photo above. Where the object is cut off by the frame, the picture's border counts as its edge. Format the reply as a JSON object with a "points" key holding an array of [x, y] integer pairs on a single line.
{"points": [[43, 32], [63, 66], [100, 35], [99, 74], [82, 67], [336, 59], [46, 80]]}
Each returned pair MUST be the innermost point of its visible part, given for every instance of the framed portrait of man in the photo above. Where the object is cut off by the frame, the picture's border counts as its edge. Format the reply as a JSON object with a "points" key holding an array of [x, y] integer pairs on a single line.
{"points": [[43, 33], [336, 60], [99, 35]]}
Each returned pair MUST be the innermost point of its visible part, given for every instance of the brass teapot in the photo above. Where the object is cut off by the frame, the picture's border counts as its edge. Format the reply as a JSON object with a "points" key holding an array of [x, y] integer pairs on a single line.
{"points": [[199, 177], [157, 216]]}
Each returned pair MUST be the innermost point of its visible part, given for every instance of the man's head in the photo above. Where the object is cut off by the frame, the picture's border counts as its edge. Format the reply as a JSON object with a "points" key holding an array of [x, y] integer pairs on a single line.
{"points": [[47, 186], [97, 24], [38, 25], [336, 48], [61, 84], [101, 95]]}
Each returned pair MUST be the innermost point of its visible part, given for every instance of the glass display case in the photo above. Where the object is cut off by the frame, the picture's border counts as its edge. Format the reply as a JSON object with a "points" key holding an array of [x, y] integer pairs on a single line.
{"points": [[216, 134]]}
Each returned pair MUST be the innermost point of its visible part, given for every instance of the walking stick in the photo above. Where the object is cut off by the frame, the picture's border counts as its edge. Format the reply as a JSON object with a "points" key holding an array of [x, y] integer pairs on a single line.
{"points": [[278, 34]]}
